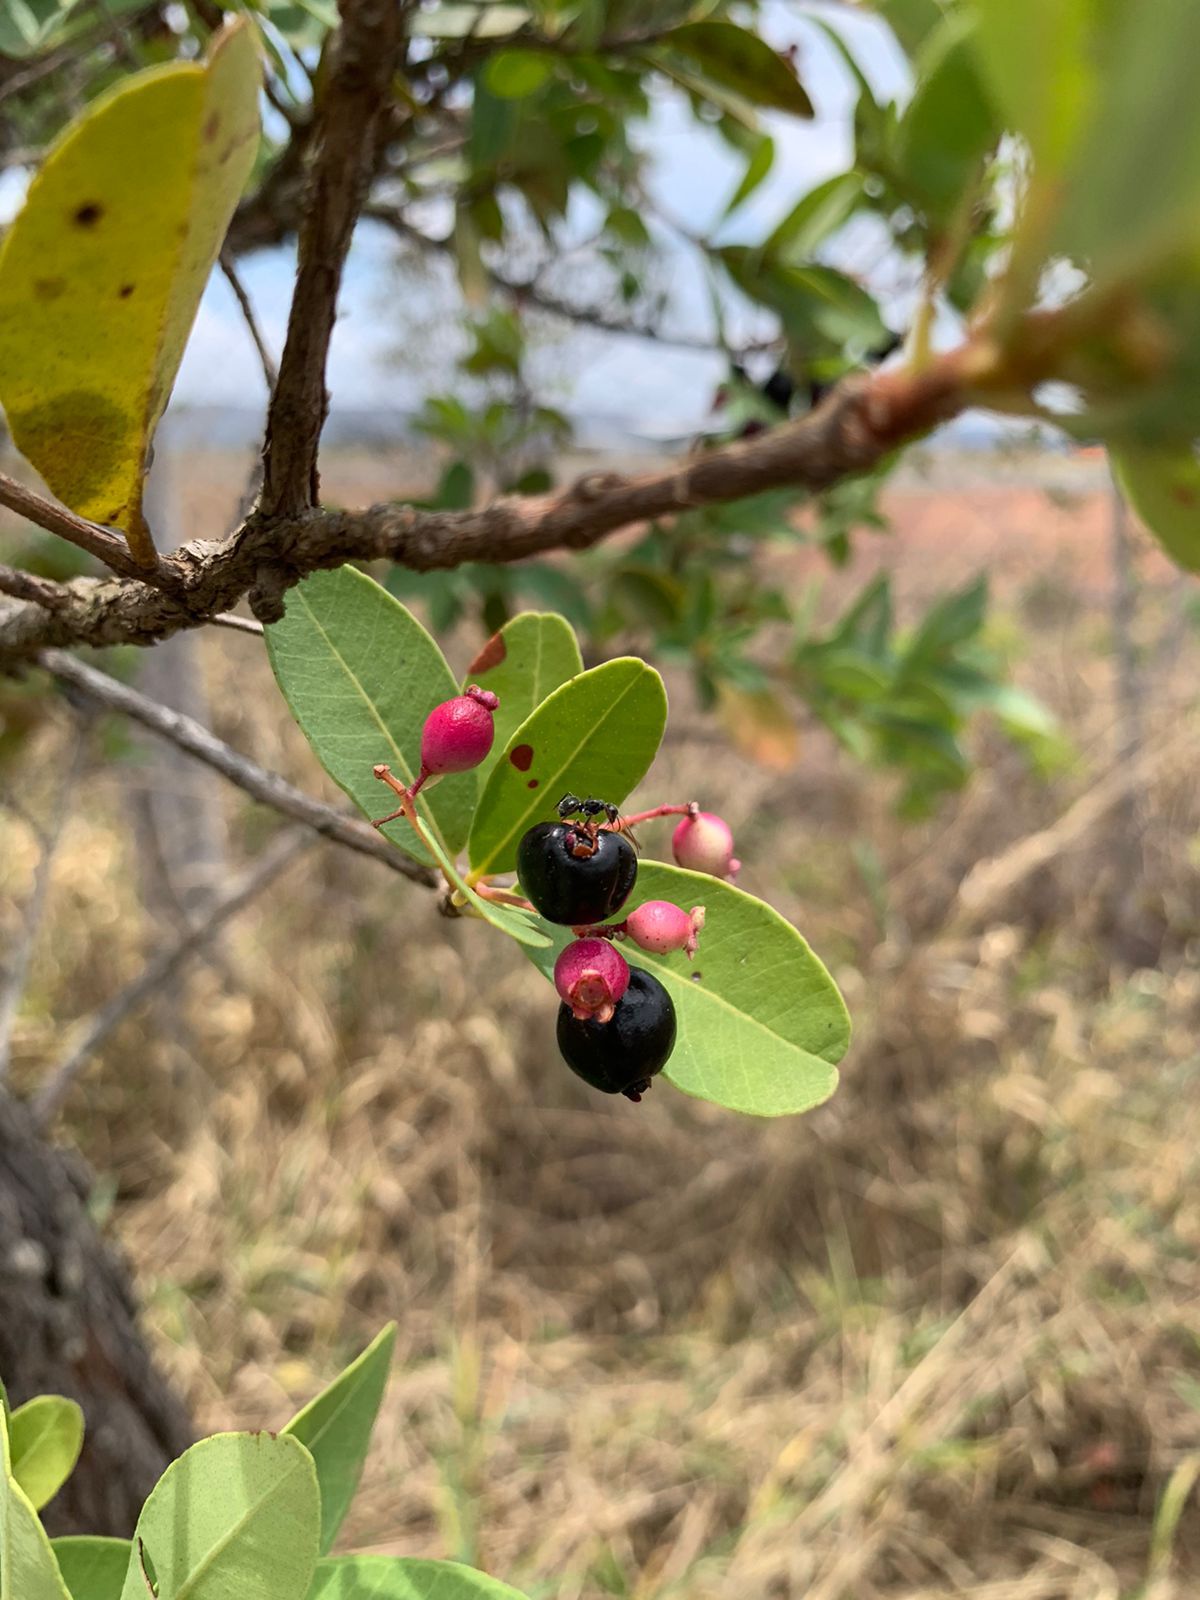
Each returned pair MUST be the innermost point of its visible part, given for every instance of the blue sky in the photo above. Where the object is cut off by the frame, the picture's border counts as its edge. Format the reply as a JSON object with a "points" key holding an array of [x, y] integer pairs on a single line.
{"points": [[654, 390]]}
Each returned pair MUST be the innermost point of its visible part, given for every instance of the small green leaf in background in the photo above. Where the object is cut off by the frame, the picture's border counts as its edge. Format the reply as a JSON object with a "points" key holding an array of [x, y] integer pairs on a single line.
{"points": [[821, 212], [45, 1436], [1163, 487], [92, 1568], [531, 656], [761, 1022], [596, 735], [404, 1578], [361, 674], [335, 1429], [762, 158], [111, 252], [238, 1515], [948, 126], [28, 1570], [738, 60], [513, 74]]}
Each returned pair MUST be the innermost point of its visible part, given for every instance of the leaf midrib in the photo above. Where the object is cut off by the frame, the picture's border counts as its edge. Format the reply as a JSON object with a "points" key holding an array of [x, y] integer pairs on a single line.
{"points": [[214, 1551]]}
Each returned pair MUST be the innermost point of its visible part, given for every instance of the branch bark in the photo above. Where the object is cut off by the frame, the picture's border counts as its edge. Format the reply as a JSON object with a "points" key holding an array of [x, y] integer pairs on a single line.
{"points": [[861, 422], [356, 92]]}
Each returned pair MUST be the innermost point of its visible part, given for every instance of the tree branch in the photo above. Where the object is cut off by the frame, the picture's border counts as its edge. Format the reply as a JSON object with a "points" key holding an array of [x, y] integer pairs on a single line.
{"points": [[267, 787], [280, 853], [28, 586], [48, 514], [266, 359], [356, 91]]}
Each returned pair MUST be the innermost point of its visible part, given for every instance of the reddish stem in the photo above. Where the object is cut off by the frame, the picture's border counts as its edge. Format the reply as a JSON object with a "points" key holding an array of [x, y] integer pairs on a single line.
{"points": [[502, 896], [691, 809]]}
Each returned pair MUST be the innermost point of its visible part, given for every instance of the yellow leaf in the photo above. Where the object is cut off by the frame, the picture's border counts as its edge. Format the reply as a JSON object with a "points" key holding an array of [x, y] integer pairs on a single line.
{"points": [[760, 725], [102, 271]]}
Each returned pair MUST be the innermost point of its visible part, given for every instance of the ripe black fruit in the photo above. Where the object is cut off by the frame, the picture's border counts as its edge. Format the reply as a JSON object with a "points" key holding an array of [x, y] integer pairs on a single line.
{"points": [[621, 1056], [573, 877]]}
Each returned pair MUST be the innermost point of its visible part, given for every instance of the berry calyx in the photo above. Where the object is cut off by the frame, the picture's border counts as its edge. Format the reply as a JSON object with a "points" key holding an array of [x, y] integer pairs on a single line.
{"points": [[660, 927], [704, 843], [576, 875], [622, 1055], [591, 976]]}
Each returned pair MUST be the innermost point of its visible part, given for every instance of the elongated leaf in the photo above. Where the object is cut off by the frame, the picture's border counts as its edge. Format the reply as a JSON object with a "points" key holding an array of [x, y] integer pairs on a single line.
{"points": [[949, 124], [762, 158], [403, 1578], [761, 1022], [596, 735], [335, 1429], [820, 213], [93, 1568], [1163, 487], [361, 675], [742, 61], [28, 1570], [45, 1436], [238, 1514], [532, 654], [912, 21], [1044, 92], [101, 273]]}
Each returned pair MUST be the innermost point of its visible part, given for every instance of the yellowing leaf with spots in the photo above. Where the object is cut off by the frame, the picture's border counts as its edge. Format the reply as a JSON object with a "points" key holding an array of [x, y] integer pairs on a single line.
{"points": [[102, 271]]}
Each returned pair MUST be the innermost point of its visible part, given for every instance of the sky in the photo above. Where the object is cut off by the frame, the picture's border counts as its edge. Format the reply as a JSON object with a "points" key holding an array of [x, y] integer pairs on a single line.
{"points": [[654, 391]]}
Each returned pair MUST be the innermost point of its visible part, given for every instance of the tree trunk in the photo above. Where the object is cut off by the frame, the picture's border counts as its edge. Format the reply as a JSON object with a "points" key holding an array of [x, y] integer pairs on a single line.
{"points": [[68, 1326]]}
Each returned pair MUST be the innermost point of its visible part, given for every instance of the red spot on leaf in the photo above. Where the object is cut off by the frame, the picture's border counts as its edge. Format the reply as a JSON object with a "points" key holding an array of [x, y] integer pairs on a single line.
{"points": [[1184, 495], [521, 757], [492, 654], [532, 784]]}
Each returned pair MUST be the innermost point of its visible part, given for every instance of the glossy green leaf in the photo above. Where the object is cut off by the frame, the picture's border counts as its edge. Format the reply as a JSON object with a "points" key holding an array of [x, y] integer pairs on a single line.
{"points": [[743, 62], [821, 212], [404, 1578], [597, 735], [45, 1437], [1163, 487], [948, 126], [237, 1515], [335, 1429], [28, 1570], [513, 74], [361, 674], [1037, 59], [533, 653], [93, 1568], [761, 1022]]}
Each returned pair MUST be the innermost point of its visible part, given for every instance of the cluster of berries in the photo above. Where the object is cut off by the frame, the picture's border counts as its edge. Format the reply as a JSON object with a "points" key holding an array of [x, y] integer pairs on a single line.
{"points": [[616, 1023]]}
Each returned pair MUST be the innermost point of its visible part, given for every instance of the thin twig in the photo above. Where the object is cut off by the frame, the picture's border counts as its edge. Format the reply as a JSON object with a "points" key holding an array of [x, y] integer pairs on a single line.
{"points": [[267, 787], [163, 968], [99, 542], [28, 586], [357, 89], [15, 974], [226, 619], [270, 370]]}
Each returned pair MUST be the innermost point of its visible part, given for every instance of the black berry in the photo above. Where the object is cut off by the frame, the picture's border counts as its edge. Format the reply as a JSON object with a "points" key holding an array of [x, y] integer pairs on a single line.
{"points": [[575, 876], [621, 1056]]}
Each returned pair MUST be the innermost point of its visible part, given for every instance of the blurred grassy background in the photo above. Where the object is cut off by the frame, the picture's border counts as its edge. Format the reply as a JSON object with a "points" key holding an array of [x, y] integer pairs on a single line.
{"points": [[940, 1338]]}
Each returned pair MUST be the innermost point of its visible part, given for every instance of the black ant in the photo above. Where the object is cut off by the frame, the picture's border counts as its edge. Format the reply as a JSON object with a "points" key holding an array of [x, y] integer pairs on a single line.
{"points": [[571, 805]]}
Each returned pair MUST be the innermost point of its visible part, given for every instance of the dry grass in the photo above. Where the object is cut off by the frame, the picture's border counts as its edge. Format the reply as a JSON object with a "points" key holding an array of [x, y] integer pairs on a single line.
{"points": [[941, 1338]]}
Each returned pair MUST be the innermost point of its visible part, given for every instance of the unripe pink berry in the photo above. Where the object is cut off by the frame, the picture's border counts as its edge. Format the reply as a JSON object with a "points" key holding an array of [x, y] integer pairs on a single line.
{"points": [[591, 976], [458, 734], [659, 926], [704, 844]]}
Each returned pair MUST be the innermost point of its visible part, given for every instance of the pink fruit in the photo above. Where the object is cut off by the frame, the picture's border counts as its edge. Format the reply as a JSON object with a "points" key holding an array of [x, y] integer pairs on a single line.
{"points": [[458, 734], [704, 844], [659, 926], [591, 977]]}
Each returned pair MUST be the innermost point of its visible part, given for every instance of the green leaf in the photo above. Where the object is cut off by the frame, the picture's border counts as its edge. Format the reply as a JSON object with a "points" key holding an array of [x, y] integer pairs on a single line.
{"points": [[28, 1570], [237, 1515], [761, 1022], [812, 302], [596, 735], [404, 1578], [820, 213], [533, 653], [361, 674], [111, 252], [5, 1408], [742, 61], [92, 1568], [45, 1437], [912, 20], [513, 74], [948, 126], [1163, 487], [335, 1428], [1043, 90], [762, 157]]}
